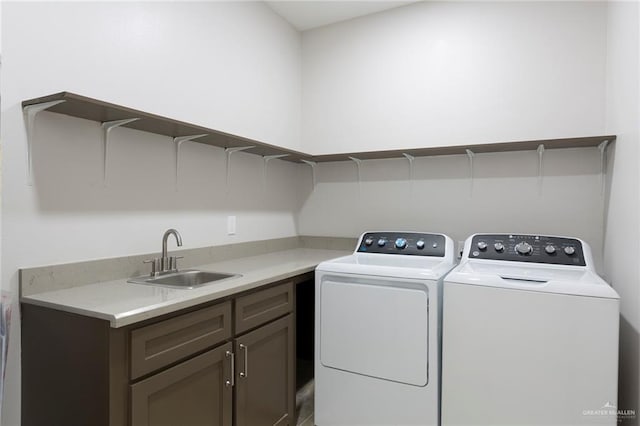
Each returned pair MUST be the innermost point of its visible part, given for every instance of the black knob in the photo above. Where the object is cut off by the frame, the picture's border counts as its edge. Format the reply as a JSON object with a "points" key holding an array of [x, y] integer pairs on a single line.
{"points": [[368, 241], [381, 242], [420, 244], [499, 247]]}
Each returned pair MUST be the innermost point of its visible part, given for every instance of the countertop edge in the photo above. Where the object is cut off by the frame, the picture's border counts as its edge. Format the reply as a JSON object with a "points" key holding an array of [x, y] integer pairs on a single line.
{"points": [[138, 315], [81, 303]]}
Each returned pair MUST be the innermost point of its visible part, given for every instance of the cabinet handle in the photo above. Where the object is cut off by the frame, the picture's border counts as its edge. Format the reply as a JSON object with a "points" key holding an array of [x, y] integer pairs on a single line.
{"points": [[231, 382], [245, 373]]}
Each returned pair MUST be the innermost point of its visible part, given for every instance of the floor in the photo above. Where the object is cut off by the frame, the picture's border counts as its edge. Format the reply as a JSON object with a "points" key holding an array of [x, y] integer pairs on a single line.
{"points": [[304, 405]]}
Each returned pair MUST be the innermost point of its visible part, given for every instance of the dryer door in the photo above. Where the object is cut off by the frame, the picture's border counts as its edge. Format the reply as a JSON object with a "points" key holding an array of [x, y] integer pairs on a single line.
{"points": [[378, 327]]}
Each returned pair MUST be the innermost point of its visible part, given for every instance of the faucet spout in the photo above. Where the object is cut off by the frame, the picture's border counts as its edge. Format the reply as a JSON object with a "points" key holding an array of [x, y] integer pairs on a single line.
{"points": [[165, 237]]}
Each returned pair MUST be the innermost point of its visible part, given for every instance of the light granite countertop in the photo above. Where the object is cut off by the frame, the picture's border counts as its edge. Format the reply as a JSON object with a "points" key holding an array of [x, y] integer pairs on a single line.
{"points": [[122, 303]]}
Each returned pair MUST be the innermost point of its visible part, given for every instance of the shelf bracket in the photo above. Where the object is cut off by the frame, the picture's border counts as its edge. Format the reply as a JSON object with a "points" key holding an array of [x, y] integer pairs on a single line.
{"points": [[603, 165], [107, 126], [410, 158], [228, 152], [540, 151], [178, 141], [266, 159], [358, 166], [470, 154], [30, 112], [313, 165]]}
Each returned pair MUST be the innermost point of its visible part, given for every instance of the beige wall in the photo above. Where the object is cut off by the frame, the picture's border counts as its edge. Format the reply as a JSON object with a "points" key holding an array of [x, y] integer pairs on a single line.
{"points": [[622, 232], [230, 66], [453, 73], [505, 195]]}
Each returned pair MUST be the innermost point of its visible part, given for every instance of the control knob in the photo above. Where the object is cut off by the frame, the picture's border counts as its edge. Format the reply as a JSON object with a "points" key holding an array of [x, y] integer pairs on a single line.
{"points": [[381, 242], [550, 249], [524, 248], [368, 241], [499, 247], [569, 251], [401, 243], [420, 244], [482, 245]]}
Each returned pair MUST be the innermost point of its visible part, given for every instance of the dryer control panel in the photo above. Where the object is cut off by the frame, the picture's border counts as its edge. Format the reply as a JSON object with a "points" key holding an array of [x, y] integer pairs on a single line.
{"points": [[527, 248], [407, 243]]}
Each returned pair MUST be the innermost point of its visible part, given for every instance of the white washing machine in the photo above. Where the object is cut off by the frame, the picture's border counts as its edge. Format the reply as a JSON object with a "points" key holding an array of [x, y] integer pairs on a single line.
{"points": [[530, 335], [377, 331]]}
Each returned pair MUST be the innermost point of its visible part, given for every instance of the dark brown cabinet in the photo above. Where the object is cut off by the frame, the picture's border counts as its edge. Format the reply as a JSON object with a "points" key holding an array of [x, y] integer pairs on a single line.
{"points": [[194, 392], [229, 362], [265, 381]]}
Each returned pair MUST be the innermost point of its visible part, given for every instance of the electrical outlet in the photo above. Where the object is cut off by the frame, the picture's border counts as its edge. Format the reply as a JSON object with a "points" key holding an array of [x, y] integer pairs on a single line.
{"points": [[231, 225]]}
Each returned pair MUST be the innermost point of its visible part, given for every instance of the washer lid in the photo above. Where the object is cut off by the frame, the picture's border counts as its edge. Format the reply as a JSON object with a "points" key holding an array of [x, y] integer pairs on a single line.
{"points": [[416, 267], [576, 281]]}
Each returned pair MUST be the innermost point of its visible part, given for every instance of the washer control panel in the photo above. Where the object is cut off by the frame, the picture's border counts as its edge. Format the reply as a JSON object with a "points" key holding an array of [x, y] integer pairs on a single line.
{"points": [[527, 248], [407, 243]]}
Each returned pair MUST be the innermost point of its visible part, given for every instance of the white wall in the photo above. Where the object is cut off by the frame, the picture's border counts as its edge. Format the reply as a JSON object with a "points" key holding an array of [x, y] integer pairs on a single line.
{"points": [[621, 267], [447, 73], [504, 196], [230, 66]]}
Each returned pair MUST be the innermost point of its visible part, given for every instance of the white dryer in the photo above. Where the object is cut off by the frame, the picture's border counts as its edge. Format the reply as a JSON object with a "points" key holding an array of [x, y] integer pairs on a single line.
{"points": [[530, 335], [377, 331]]}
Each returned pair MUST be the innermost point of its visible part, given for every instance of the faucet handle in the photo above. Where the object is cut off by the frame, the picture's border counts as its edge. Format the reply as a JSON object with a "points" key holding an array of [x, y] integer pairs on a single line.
{"points": [[173, 262], [155, 265]]}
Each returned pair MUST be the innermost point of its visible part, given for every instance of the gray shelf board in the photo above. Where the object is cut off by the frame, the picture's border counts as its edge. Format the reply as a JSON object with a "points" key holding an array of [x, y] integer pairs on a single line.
{"points": [[101, 111], [582, 142]]}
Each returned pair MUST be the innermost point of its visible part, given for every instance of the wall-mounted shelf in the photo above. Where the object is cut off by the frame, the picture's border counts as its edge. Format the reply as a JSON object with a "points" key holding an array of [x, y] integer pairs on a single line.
{"points": [[97, 110], [590, 141], [104, 112]]}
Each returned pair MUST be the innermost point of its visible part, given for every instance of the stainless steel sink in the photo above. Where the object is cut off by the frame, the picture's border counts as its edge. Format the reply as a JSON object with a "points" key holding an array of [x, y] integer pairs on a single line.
{"points": [[186, 279]]}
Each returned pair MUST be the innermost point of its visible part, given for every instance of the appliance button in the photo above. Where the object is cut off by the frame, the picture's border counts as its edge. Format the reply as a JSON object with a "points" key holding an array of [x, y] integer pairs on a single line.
{"points": [[482, 245], [420, 244], [570, 251], [499, 247], [524, 248], [381, 242], [550, 249], [401, 243], [368, 241]]}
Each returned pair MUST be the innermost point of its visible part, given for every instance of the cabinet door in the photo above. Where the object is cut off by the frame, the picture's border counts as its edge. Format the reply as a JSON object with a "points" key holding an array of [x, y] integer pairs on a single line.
{"points": [[192, 393], [265, 382]]}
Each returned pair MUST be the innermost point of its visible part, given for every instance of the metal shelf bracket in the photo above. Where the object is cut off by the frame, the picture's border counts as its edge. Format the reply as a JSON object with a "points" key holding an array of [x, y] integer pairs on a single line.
{"points": [[228, 152], [313, 165], [107, 126], [358, 166], [540, 152], [30, 112], [266, 159], [411, 158], [603, 165], [178, 141], [470, 154]]}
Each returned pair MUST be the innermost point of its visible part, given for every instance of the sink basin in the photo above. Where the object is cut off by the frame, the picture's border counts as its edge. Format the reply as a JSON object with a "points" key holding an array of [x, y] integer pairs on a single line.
{"points": [[187, 279]]}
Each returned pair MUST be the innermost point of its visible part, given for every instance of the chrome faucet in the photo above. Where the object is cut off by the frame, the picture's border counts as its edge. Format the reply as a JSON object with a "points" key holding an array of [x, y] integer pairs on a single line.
{"points": [[164, 263], [169, 263], [165, 237]]}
